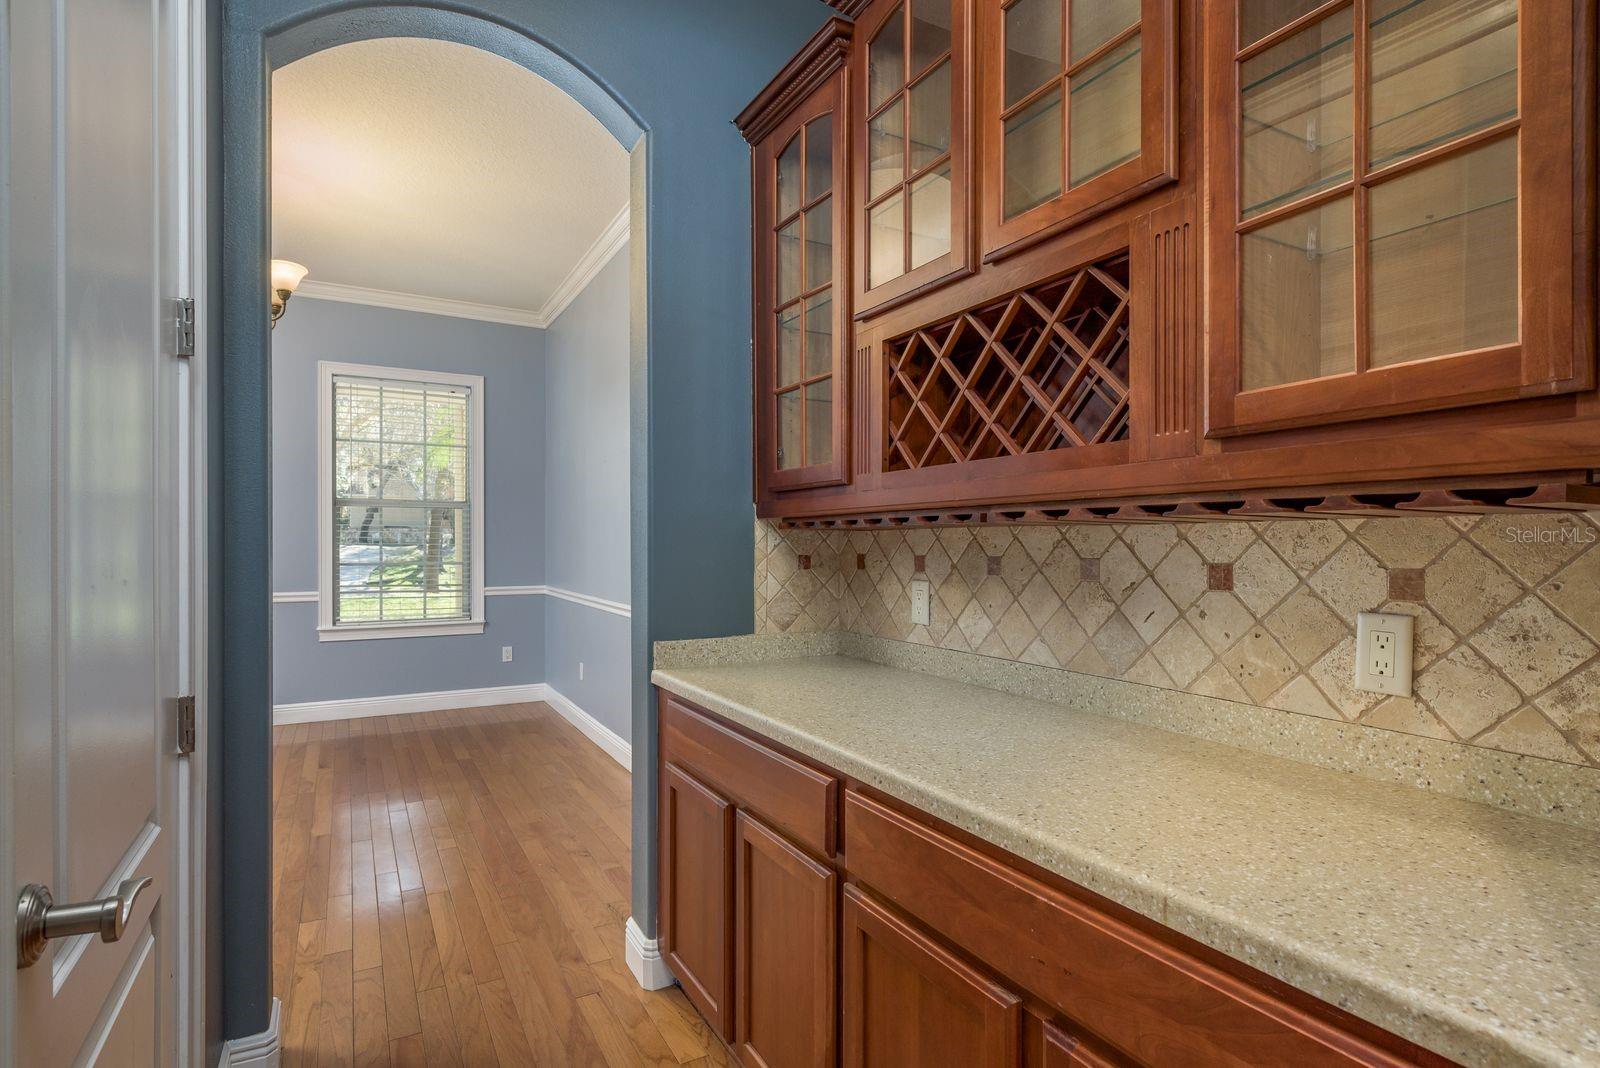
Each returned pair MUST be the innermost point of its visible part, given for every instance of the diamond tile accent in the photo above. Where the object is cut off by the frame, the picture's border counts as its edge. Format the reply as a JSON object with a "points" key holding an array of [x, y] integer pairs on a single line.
{"points": [[1507, 644]]}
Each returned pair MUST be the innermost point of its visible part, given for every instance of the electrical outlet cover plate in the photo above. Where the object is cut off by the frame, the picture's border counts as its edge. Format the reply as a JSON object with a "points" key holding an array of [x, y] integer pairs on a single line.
{"points": [[921, 595], [1383, 652]]}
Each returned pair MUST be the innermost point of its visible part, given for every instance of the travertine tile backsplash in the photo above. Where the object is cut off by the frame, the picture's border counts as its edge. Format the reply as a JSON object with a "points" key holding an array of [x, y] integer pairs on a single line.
{"points": [[1507, 607]]}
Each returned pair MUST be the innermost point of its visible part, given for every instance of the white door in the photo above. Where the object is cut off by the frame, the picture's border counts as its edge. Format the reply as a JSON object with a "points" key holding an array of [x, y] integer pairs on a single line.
{"points": [[93, 468]]}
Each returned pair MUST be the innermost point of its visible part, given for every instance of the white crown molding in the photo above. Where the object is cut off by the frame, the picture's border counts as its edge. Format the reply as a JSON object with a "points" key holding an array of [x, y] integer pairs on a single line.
{"points": [[593, 260], [262, 1050], [607, 245], [416, 302], [644, 958], [404, 704], [615, 745], [616, 608]]}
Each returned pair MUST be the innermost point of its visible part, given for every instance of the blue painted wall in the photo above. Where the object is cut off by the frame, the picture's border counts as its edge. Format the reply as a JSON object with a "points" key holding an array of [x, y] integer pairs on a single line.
{"points": [[678, 71], [587, 536], [511, 360]]}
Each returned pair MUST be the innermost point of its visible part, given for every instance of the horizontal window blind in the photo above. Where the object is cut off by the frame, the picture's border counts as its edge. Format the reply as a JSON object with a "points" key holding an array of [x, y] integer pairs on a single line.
{"points": [[402, 501]]}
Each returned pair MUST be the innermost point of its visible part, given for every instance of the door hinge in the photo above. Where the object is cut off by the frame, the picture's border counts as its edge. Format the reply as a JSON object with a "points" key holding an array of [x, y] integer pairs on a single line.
{"points": [[183, 327], [185, 723]]}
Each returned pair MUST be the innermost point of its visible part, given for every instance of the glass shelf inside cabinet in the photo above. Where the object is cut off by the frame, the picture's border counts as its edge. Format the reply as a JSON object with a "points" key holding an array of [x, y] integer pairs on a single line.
{"points": [[909, 127], [1297, 115], [1441, 69], [803, 298]]}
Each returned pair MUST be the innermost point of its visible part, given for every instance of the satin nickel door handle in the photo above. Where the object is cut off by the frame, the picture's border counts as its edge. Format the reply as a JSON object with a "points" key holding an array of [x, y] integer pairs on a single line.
{"points": [[40, 919]]}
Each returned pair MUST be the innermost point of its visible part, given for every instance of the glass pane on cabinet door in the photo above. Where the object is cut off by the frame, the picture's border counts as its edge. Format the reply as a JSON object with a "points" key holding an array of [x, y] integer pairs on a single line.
{"points": [[1105, 115], [819, 422], [819, 157], [886, 150], [789, 262], [819, 334], [1094, 22], [1032, 46], [886, 240], [1257, 18], [930, 32], [1298, 115], [1440, 70], [930, 216], [1443, 257], [789, 346], [930, 118], [789, 429], [1033, 154], [819, 244], [1297, 297], [886, 60], [789, 179]]}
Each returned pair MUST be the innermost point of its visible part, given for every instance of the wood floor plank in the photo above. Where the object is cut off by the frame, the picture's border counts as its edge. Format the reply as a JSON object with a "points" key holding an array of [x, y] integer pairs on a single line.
{"points": [[505, 1027], [371, 1039], [449, 888], [399, 989]]}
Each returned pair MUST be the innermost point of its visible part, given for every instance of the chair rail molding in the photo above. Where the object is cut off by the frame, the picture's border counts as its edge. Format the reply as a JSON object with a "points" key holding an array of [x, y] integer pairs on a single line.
{"points": [[617, 608]]}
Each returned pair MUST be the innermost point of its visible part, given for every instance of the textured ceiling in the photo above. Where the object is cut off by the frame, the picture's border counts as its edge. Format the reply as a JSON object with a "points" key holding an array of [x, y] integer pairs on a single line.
{"points": [[436, 169]]}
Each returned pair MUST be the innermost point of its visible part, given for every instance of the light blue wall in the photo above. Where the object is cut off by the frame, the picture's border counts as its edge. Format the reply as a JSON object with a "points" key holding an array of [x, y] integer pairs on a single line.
{"points": [[586, 497], [512, 362]]}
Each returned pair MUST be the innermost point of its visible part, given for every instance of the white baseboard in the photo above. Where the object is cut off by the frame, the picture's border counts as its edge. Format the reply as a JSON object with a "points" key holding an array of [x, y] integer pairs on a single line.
{"points": [[644, 959], [405, 703], [616, 747], [262, 1050]]}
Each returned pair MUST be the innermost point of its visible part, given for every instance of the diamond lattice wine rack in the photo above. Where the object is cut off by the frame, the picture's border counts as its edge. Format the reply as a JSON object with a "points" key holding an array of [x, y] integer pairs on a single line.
{"points": [[1044, 368]]}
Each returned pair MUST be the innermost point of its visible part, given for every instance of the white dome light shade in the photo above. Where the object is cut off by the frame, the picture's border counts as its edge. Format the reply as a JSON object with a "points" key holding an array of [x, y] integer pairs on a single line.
{"points": [[286, 275]]}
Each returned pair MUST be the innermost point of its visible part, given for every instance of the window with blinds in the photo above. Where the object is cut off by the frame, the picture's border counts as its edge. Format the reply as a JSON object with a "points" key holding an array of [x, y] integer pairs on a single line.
{"points": [[402, 497]]}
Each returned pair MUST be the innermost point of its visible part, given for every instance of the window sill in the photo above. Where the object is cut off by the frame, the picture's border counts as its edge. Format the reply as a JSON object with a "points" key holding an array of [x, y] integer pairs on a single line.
{"points": [[398, 630]]}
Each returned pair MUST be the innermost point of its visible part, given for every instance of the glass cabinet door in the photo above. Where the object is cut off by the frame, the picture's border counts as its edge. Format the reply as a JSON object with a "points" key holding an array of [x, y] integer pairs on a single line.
{"points": [[913, 167], [1402, 172], [802, 325], [1077, 103]]}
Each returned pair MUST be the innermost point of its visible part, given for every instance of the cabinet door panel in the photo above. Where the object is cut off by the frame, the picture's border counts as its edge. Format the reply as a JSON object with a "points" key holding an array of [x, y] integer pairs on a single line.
{"points": [[1398, 189], [909, 1002], [1079, 114], [697, 892], [913, 182], [800, 174], [785, 940]]}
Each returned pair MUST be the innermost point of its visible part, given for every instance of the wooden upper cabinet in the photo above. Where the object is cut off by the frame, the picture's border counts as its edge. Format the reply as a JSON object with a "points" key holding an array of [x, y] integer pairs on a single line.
{"points": [[1078, 107], [914, 177], [1392, 185], [799, 134]]}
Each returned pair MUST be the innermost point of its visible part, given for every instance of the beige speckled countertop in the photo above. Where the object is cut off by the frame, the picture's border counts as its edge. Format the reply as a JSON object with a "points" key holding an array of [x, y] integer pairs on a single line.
{"points": [[1470, 930]]}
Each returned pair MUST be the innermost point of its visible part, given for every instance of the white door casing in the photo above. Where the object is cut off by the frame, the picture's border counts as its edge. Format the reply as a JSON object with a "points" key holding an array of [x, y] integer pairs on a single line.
{"points": [[94, 537]]}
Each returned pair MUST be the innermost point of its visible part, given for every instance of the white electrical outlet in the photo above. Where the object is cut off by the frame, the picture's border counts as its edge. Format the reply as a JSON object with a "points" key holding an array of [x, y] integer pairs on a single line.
{"points": [[1383, 652], [505, 654], [920, 594]]}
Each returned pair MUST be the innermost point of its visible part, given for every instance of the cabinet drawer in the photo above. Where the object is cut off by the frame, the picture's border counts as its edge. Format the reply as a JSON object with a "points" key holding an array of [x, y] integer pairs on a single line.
{"points": [[796, 799], [1148, 999]]}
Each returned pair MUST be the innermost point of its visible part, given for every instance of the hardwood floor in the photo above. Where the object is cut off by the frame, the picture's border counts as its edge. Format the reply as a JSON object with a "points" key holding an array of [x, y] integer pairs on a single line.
{"points": [[450, 888]]}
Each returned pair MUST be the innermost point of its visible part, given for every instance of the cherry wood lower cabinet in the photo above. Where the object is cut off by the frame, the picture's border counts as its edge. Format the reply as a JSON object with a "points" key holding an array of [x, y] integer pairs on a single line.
{"points": [[908, 1000], [786, 952], [697, 890], [815, 922]]}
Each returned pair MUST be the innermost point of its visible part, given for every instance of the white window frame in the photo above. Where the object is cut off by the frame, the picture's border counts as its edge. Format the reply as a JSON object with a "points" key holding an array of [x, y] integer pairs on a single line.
{"points": [[327, 630]]}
